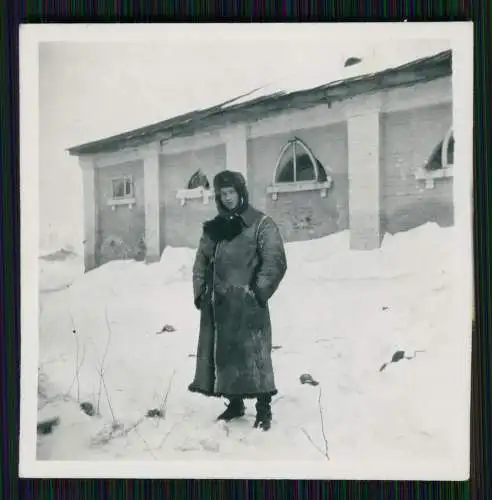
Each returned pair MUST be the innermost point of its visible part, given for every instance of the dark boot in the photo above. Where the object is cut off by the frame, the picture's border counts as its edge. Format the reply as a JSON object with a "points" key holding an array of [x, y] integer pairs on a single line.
{"points": [[235, 409], [263, 412]]}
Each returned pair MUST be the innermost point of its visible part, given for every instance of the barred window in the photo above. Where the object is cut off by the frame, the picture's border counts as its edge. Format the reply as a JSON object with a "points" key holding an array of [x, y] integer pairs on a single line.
{"points": [[296, 163], [443, 154], [198, 179], [122, 188]]}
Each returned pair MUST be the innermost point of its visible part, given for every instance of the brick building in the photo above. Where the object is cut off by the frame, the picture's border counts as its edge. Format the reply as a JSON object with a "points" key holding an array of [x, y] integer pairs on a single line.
{"points": [[371, 153]]}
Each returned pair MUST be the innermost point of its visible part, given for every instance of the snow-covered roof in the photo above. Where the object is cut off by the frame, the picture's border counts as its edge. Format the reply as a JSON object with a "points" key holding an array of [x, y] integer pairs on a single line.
{"points": [[313, 76], [377, 69]]}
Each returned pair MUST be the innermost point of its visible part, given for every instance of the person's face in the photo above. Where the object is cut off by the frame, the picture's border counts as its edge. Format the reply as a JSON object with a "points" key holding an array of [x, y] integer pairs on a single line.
{"points": [[229, 197]]}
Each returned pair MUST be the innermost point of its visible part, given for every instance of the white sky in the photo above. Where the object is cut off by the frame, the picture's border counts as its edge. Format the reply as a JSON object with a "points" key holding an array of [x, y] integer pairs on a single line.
{"points": [[91, 90]]}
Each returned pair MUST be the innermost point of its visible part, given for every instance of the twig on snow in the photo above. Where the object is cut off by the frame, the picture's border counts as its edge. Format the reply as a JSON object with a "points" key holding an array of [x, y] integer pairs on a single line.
{"points": [[325, 452], [117, 432], [120, 432], [76, 377], [78, 364], [103, 359], [163, 406], [107, 396], [168, 433], [149, 449], [311, 441], [415, 353], [323, 424]]}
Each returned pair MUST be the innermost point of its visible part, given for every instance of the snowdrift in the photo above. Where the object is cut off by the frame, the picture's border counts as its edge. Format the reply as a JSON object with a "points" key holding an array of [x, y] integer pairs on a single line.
{"points": [[340, 315], [58, 269]]}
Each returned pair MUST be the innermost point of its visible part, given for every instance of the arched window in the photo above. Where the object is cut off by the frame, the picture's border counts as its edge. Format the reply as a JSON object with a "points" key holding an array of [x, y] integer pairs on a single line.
{"points": [[197, 187], [443, 154], [297, 169], [296, 163], [440, 163], [198, 179]]}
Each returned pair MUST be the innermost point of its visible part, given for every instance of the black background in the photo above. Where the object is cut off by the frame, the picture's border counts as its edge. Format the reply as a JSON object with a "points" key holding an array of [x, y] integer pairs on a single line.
{"points": [[11, 15]]}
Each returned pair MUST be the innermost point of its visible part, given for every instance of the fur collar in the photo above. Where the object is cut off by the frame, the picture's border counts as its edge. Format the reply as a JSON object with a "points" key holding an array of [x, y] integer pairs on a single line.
{"points": [[220, 228], [227, 228]]}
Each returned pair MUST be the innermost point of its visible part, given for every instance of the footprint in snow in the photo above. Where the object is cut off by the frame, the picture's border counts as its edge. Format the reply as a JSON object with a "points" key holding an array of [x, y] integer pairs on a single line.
{"points": [[398, 356]]}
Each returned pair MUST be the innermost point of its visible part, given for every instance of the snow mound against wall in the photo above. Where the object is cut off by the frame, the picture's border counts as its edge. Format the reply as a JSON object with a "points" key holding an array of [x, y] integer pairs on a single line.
{"points": [[126, 277], [426, 249], [176, 264], [59, 269]]}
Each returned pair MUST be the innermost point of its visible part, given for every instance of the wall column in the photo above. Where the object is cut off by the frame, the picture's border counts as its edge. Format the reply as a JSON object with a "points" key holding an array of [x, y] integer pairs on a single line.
{"points": [[235, 139], [90, 211], [363, 124], [150, 156]]}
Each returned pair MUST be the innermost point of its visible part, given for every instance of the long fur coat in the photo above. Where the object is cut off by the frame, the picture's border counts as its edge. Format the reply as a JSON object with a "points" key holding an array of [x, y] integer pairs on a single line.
{"points": [[238, 267]]}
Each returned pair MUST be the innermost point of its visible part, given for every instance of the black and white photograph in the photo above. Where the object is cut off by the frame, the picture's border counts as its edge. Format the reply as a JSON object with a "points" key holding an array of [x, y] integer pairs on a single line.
{"points": [[246, 252]]}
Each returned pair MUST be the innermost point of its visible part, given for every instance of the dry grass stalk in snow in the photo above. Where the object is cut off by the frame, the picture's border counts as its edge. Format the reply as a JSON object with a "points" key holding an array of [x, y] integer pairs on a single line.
{"points": [[103, 361], [322, 421], [116, 430], [78, 364]]}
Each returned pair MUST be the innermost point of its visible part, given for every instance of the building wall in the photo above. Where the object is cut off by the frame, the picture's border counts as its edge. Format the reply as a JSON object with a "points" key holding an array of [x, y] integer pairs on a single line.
{"points": [[181, 225], [120, 232], [303, 215], [408, 138]]}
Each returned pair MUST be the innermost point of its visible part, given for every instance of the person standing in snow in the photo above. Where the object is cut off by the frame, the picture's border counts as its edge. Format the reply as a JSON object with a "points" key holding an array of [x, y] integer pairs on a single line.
{"points": [[239, 265]]}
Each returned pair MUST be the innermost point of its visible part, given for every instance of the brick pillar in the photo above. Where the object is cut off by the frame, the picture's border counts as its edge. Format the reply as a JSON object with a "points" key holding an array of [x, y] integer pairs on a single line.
{"points": [[152, 216], [90, 211], [235, 139], [363, 123]]}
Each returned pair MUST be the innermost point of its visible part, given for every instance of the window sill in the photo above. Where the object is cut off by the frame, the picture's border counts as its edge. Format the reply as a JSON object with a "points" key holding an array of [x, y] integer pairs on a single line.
{"points": [[193, 194], [114, 202], [430, 176], [297, 187]]}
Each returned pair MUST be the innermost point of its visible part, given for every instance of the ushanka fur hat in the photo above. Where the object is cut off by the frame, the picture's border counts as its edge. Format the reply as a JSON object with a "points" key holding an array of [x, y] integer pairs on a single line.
{"points": [[229, 223], [229, 178]]}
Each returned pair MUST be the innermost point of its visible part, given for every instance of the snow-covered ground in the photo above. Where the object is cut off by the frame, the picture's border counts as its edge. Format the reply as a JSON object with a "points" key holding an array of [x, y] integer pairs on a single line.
{"points": [[339, 315]]}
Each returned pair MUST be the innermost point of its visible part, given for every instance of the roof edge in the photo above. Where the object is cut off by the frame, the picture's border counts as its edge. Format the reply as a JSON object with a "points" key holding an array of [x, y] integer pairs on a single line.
{"points": [[114, 142]]}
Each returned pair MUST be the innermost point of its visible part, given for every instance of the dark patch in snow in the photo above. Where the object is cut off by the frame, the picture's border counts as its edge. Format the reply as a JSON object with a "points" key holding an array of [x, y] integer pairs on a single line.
{"points": [[155, 413], [166, 328], [276, 347], [306, 378], [88, 409], [398, 356], [46, 427], [385, 308], [192, 355]]}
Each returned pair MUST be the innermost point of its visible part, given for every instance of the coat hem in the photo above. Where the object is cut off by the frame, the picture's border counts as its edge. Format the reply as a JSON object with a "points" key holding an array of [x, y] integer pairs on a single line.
{"points": [[248, 395]]}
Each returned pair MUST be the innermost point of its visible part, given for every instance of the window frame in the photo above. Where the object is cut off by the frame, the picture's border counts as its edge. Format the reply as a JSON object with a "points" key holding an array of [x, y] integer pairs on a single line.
{"points": [[206, 194], [446, 170], [126, 199], [277, 187]]}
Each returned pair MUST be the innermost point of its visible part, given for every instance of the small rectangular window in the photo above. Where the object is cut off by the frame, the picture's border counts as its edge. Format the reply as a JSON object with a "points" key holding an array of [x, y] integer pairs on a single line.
{"points": [[122, 188]]}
